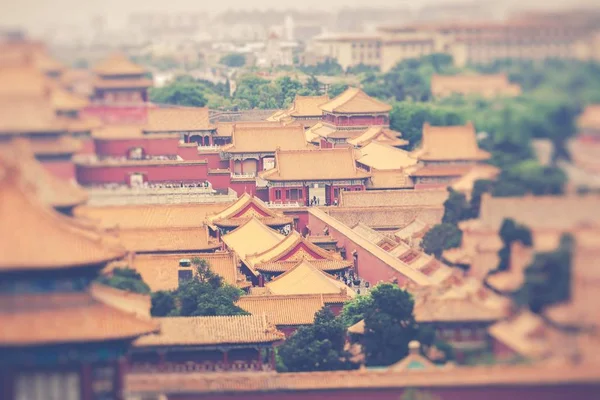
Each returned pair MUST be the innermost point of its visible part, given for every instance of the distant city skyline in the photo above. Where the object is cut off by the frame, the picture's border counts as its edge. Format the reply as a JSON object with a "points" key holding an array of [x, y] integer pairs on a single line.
{"points": [[38, 16]]}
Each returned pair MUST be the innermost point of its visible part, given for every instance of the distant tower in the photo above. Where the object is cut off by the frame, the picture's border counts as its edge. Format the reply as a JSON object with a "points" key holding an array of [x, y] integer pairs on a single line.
{"points": [[288, 28]]}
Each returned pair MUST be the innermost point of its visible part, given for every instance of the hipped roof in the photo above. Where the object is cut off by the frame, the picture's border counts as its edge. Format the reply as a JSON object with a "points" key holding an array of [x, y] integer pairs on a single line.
{"points": [[355, 101], [307, 165], [62, 243], [305, 278], [266, 139], [447, 143]]}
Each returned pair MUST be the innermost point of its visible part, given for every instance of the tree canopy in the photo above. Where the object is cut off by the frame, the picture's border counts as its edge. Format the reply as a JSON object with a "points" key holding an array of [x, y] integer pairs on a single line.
{"points": [[233, 60], [204, 294], [317, 347], [328, 67], [548, 277], [389, 325], [441, 237], [125, 279], [179, 93]]}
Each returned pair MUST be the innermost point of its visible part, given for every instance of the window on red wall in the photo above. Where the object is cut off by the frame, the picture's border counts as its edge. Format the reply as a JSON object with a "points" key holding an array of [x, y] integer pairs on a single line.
{"points": [[277, 194], [336, 192]]}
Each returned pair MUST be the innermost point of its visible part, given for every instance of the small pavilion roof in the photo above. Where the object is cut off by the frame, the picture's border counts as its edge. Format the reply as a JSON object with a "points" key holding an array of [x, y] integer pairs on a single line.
{"points": [[244, 208], [118, 64], [414, 361], [305, 278], [307, 165], [65, 244], [355, 101], [379, 134], [302, 107], [213, 330], [266, 139], [40, 319], [293, 247], [50, 189], [385, 157], [252, 237], [447, 143]]}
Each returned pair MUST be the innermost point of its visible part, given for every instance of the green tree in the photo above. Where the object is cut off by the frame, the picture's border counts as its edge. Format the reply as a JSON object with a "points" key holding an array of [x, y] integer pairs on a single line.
{"points": [[456, 208], [287, 88], [233, 60], [354, 310], [317, 347], [178, 93], [548, 277], [203, 295], [125, 279], [163, 304], [335, 89], [511, 232], [441, 237], [409, 117], [389, 325], [328, 67], [480, 187]]}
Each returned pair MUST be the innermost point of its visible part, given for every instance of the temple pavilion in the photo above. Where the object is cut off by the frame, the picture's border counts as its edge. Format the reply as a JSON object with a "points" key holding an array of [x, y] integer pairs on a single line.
{"points": [[353, 115], [446, 154], [304, 109], [304, 175], [120, 82], [245, 208], [264, 253], [58, 341]]}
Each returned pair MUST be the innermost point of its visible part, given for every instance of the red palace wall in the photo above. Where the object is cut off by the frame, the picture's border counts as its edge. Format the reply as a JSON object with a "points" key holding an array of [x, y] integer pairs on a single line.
{"points": [[188, 152], [62, 169], [370, 267], [155, 173], [473, 392], [214, 160], [219, 181], [243, 187], [151, 146]]}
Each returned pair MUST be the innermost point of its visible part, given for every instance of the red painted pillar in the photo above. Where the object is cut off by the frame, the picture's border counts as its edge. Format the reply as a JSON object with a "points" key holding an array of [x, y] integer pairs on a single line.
{"points": [[231, 165], [86, 381], [226, 359], [273, 358], [260, 358], [242, 166], [120, 378]]}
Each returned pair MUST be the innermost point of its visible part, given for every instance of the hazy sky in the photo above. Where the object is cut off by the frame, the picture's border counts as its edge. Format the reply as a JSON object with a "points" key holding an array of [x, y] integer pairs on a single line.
{"points": [[37, 13]]}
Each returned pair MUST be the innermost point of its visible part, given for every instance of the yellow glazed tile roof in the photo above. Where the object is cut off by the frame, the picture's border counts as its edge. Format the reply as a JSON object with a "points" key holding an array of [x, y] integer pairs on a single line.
{"points": [[253, 206], [379, 134], [159, 271], [394, 198], [446, 143], [50, 189], [355, 101], [266, 139], [213, 330], [384, 157], [304, 278], [284, 309], [118, 64], [65, 244], [251, 238], [318, 164], [178, 119]]}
